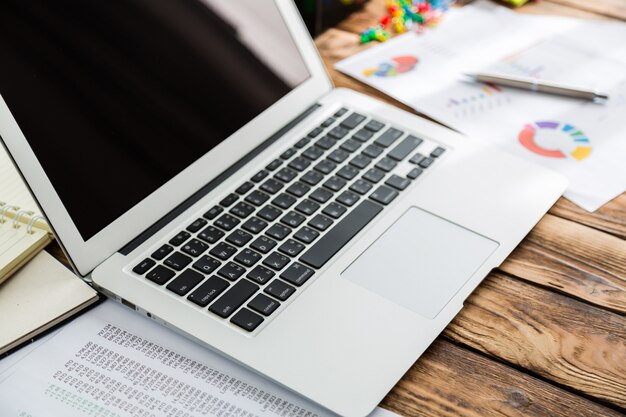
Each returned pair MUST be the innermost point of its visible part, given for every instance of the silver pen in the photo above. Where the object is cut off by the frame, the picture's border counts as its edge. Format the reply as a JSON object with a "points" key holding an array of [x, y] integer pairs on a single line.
{"points": [[533, 84]]}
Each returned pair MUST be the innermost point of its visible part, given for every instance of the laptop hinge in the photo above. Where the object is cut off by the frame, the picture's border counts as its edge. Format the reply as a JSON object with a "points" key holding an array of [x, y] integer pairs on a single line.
{"points": [[198, 195]]}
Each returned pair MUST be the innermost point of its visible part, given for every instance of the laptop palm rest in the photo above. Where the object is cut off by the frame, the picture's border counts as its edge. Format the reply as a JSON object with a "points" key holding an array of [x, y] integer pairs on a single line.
{"points": [[420, 262]]}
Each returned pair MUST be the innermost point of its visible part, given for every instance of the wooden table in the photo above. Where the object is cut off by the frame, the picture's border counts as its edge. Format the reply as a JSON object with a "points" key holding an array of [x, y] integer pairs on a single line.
{"points": [[545, 334]]}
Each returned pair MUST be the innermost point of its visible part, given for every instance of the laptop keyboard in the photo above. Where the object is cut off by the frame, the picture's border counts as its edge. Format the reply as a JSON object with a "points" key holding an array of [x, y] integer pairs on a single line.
{"points": [[266, 239]]}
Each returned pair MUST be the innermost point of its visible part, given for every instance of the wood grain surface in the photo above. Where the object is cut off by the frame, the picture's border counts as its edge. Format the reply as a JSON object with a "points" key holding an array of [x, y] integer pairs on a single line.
{"points": [[545, 335]]}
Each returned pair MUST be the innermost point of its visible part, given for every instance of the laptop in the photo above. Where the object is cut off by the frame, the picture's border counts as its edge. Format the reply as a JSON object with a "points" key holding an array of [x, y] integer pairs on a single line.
{"points": [[197, 165]]}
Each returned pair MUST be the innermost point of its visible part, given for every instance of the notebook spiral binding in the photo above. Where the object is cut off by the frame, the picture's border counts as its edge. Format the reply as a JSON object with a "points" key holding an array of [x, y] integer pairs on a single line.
{"points": [[21, 218]]}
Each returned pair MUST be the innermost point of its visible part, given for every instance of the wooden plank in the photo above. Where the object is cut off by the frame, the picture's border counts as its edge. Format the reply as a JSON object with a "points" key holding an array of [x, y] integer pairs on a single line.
{"points": [[575, 260], [547, 7], [451, 381], [558, 338], [611, 8], [610, 218]]}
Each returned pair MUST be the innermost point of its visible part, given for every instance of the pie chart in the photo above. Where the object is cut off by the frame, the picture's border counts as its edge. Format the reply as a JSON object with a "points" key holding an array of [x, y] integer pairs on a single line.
{"points": [[566, 140], [395, 66]]}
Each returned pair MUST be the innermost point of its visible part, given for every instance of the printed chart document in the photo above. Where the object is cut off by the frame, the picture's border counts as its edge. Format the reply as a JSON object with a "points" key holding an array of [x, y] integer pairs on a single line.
{"points": [[112, 362], [583, 140]]}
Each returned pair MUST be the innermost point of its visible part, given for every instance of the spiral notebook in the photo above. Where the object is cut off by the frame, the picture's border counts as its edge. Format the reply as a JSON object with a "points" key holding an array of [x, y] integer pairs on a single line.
{"points": [[23, 230]]}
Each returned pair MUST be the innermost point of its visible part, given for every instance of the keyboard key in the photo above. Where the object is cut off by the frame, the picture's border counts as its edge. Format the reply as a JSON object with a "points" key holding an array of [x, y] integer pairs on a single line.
{"points": [[206, 264], [288, 153], [315, 132], [234, 298], [348, 198], [272, 186], [284, 201], [297, 274], [299, 164], [257, 198], [246, 319], [298, 189], [306, 235], [263, 244], [313, 153], [353, 121], [320, 222], [293, 219], [302, 143], [350, 145], [342, 233], [211, 214], [254, 225], [278, 231], [196, 225], [348, 172], [248, 257], [229, 200], [177, 261], [325, 143], [361, 187], [363, 135], [276, 261], [405, 147], [338, 132], [279, 289], [242, 210], [360, 161], [374, 125], [328, 122], [143, 267], [338, 156], [426, 162], [260, 274], [437, 152], [384, 195], [183, 283], [374, 175], [160, 274], [335, 183], [291, 248], [334, 210], [417, 158], [312, 178], [325, 167], [239, 238], [259, 176], [307, 207], [321, 195], [414, 173], [386, 164], [162, 252], [180, 238], [226, 222], [244, 188], [388, 137], [194, 247], [263, 304], [341, 112], [211, 234], [208, 291], [273, 166], [397, 182], [286, 175], [223, 251], [269, 213], [231, 271], [373, 151]]}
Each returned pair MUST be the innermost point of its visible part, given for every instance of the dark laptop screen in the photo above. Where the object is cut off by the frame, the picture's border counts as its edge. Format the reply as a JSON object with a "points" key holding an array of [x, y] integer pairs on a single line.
{"points": [[116, 97]]}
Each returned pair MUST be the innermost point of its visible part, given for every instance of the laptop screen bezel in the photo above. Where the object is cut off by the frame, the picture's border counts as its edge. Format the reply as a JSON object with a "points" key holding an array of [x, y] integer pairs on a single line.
{"points": [[86, 255]]}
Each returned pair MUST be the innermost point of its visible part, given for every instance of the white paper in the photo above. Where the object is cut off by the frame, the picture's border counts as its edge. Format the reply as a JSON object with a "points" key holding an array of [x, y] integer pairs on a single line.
{"points": [[112, 362], [491, 38]]}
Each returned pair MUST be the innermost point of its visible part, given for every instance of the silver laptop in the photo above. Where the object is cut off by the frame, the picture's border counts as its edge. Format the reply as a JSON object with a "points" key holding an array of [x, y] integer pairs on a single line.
{"points": [[197, 165]]}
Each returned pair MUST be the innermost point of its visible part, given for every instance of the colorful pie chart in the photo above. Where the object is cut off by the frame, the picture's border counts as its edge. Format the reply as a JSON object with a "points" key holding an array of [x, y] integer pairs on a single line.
{"points": [[397, 65], [572, 141]]}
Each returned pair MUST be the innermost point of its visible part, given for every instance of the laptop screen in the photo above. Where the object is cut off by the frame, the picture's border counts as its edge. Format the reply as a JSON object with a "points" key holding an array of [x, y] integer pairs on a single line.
{"points": [[117, 97]]}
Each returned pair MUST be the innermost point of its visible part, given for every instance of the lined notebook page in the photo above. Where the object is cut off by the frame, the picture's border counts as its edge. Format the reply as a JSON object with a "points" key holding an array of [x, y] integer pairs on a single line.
{"points": [[12, 188]]}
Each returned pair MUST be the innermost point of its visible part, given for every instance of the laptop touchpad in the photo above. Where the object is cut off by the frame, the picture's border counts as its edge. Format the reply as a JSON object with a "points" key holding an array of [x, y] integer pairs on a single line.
{"points": [[421, 261]]}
